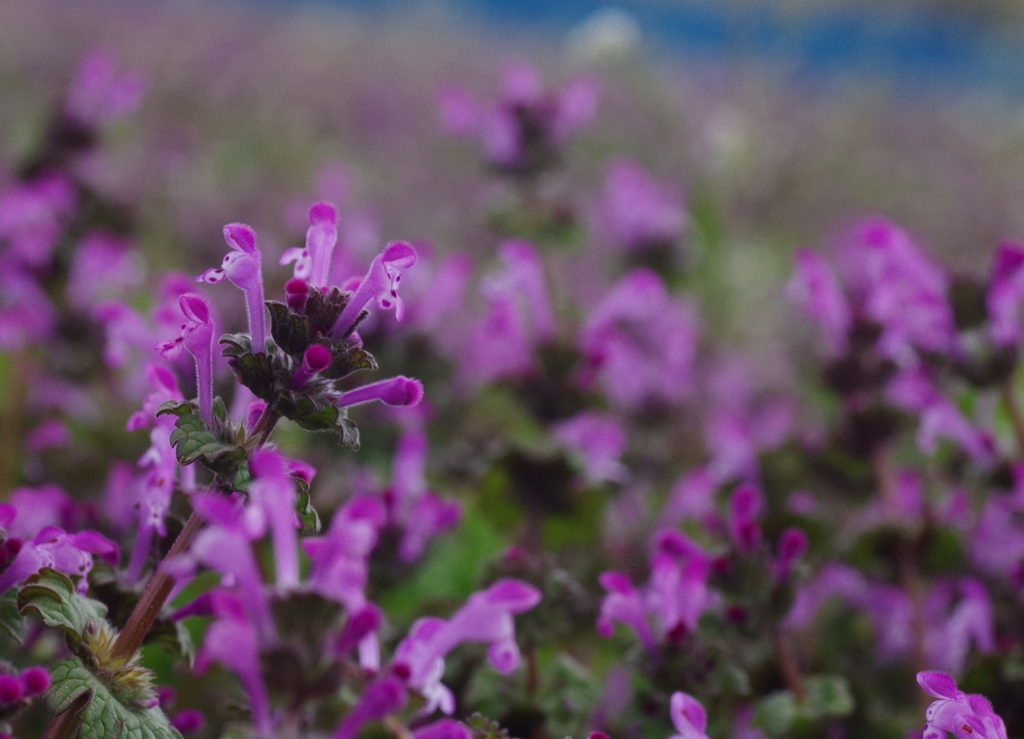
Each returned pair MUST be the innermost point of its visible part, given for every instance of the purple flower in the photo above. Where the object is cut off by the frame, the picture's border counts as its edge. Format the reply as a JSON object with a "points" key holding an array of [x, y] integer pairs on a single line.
{"points": [[902, 290], [397, 391], [340, 561], [379, 698], [792, 545], [243, 267], [429, 516], [154, 495], [418, 513], [688, 716], [912, 390], [677, 592], [641, 343], [953, 629], [273, 490], [52, 547], [26, 315], [673, 600], [691, 498], [498, 345], [380, 284], [965, 716], [524, 131], [32, 216], [446, 728], [126, 333], [486, 617], [816, 290], [197, 337], [599, 439], [225, 547], [1006, 289], [231, 640], [103, 267], [99, 94], [518, 318], [313, 263], [745, 506], [623, 603], [636, 212], [524, 275], [315, 360]]}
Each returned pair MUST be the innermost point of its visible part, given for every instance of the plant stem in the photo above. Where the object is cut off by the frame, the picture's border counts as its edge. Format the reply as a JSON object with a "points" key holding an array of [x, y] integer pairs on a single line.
{"points": [[788, 666], [264, 426], [139, 623], [65, 725], [532, 672], [154, 596]]}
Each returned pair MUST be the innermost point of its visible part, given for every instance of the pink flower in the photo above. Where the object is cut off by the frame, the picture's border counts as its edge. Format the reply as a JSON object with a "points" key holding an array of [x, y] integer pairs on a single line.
{"points": [[380, 284], [197, 337], [243, 267], [688, 716]]}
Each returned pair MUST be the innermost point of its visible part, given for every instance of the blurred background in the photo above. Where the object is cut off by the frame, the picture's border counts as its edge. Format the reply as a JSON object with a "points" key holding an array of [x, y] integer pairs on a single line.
{"points": [[777, 122]]}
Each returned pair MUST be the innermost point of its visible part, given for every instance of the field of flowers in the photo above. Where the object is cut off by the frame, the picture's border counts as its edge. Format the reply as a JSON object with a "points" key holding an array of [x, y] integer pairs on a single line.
{"points": [[390, 380]]}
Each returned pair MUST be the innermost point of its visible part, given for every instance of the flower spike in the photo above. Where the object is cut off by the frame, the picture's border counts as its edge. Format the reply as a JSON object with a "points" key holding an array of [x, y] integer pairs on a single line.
{"points": [[197, 337], [381, 282], [316, 359], [398, 391], [243, 267]]}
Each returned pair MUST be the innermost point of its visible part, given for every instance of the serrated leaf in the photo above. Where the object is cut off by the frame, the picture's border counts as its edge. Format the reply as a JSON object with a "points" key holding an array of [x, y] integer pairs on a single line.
{"points": [[174, 636], [292, 332], [256, 372], [175, 407], [308, 516], [104, 717], [11, 620], [193, 442], [52, 596], [827, 695], [347, 358], [236, 345], [314, 416], [323, 309]]}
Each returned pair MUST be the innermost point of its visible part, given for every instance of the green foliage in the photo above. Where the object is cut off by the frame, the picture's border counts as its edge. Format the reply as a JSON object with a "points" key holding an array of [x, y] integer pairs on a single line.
{"points": [[484, 728], [10, 617], [104, 717], [52, 597], [826, 696], [194, 442], [308, 517]]}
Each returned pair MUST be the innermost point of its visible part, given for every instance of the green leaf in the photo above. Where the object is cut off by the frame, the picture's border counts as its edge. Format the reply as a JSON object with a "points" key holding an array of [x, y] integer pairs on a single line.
{"points": [[256, 372], [10, 617], [194, 442], [292, 332], [323, 309], [235, 345], [104, 717], [827, 695], [52, 596], [776, 712], [308, 516], [484, 728], [176, 407], [313, 416], [346, 358]]}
